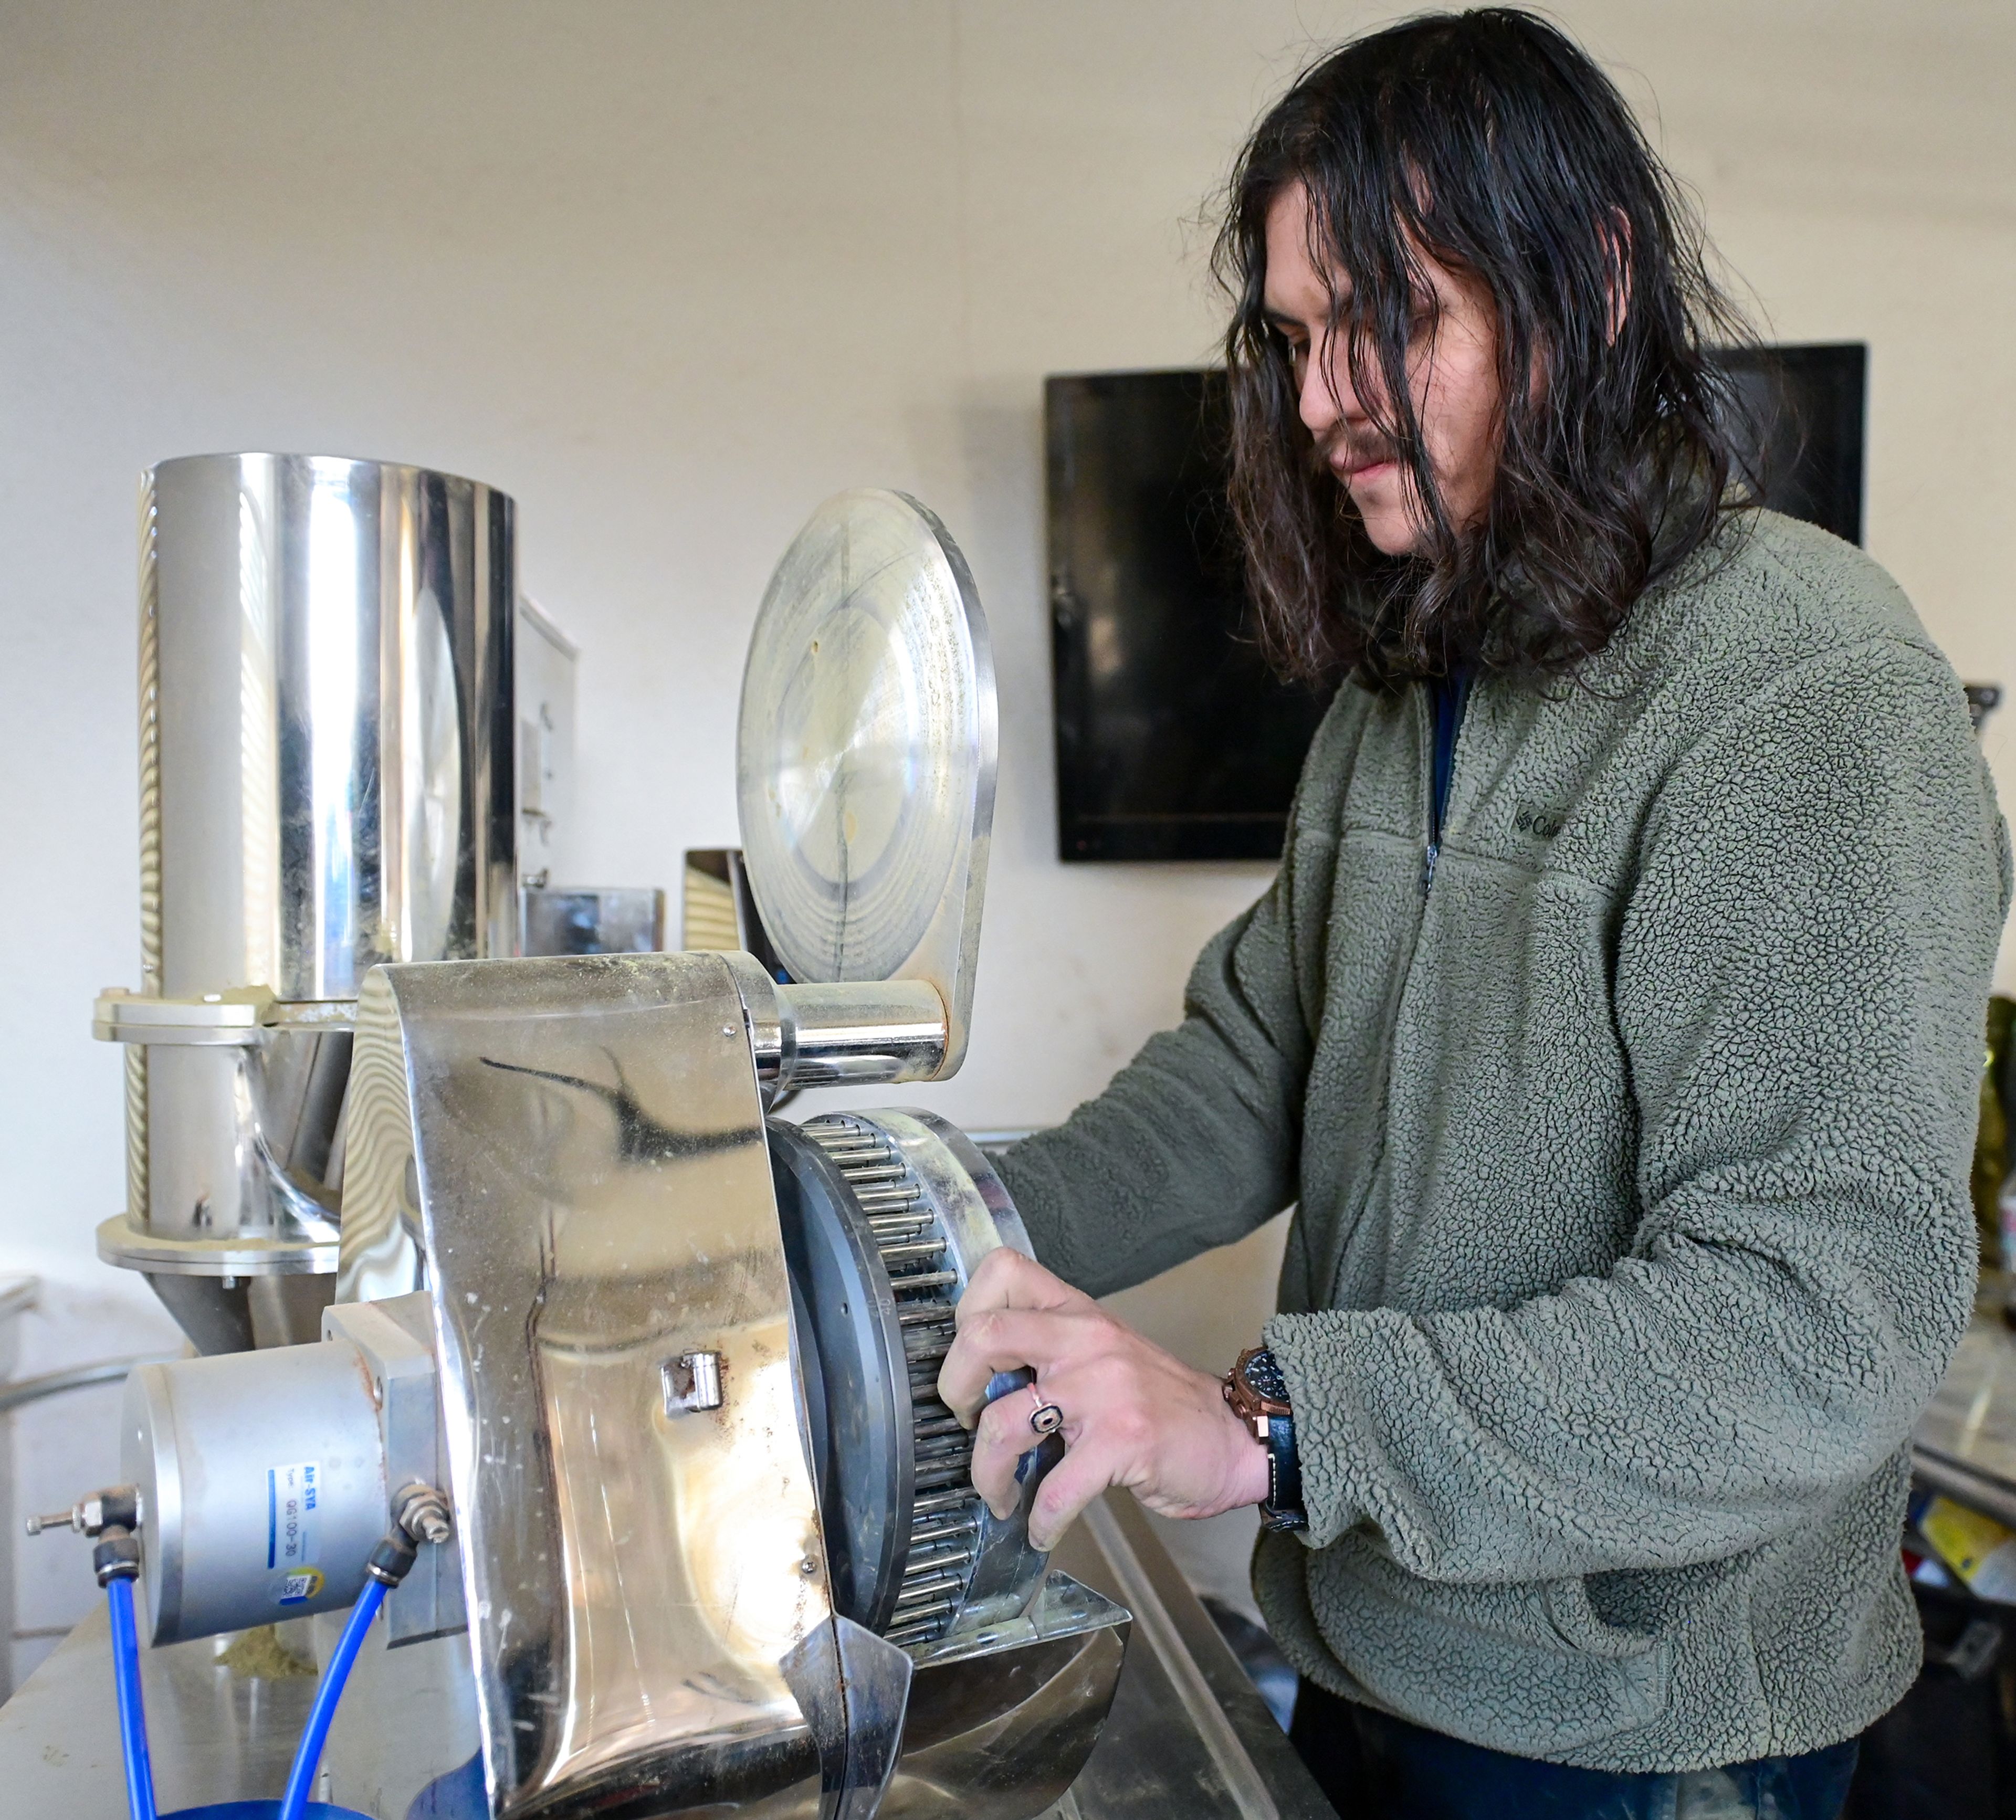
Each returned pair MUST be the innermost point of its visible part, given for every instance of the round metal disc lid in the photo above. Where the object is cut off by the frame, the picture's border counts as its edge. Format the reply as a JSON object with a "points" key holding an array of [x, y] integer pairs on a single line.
{"points": [[865, 773]]}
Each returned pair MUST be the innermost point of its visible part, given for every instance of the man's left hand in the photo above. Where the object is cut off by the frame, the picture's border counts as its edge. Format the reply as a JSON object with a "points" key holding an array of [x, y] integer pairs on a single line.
{"points": [[1133, 1415]]}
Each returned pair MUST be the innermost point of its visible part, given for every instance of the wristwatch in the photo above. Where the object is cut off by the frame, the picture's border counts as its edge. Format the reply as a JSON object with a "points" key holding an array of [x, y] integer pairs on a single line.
{"points": [[1258, 1396]]}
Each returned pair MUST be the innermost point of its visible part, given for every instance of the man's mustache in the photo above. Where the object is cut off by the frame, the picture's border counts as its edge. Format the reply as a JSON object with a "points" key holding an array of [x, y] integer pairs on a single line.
{"points": [[1340, 449]]}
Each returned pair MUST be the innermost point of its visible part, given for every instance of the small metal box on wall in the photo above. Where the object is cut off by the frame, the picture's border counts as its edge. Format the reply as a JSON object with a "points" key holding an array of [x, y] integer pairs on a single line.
{"points": [[588, 920], [546, 659], [555, 918]]}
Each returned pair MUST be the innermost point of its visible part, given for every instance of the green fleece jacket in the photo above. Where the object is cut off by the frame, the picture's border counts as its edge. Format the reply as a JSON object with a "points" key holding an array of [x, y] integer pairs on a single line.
{"points": [[1629, 1162]]}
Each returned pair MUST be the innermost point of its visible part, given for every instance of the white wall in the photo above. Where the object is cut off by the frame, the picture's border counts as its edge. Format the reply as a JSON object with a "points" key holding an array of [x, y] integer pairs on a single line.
{"points": [[672, 273]]}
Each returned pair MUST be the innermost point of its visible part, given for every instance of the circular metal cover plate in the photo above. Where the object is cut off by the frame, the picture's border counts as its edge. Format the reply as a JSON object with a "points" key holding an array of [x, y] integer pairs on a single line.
{"points": [[865, 753]]}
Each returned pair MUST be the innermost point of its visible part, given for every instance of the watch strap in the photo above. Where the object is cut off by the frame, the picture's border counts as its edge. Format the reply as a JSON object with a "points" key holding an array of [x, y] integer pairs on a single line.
{"points": [[1284, 1509], [1258, 1391]]}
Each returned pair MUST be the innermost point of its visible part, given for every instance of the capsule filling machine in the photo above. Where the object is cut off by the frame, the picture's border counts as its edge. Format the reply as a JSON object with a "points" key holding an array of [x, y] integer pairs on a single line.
{"points": [[512, 1255]]}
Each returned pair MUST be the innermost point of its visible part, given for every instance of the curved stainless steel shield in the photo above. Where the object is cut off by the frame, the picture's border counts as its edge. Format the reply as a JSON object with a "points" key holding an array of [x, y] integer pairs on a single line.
{"points": [[866, 757]]}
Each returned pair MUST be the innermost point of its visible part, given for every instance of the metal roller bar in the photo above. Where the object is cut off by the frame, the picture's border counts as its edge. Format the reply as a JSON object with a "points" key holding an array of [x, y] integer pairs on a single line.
{"points": [[889, 1200], [932, 1477], [946, 1501], [926, 1590]]}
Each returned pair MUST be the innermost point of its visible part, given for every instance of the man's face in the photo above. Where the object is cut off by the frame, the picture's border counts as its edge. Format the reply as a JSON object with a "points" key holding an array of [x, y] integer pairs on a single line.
{"points": [[1452, 371]]}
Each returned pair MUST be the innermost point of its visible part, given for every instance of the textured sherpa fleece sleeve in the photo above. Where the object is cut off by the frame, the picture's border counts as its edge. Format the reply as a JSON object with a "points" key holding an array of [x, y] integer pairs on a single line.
{"points": [[1196, 1140], [1799, 973]]}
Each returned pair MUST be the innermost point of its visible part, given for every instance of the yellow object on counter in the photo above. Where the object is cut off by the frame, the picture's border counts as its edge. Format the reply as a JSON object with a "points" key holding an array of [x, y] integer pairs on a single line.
{"points": [[1993, 1161], [1978, 1549]]}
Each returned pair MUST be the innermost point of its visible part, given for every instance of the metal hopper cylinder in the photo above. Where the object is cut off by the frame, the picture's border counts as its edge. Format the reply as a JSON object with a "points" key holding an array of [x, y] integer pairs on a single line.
{"points": [[326, 783]]}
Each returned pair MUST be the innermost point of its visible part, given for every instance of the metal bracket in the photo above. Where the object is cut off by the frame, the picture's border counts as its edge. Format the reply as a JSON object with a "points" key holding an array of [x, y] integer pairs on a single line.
{"points": [[236, 1019], [693, 1383], [395, 1338], [593, 1182], [1975, 1652]]}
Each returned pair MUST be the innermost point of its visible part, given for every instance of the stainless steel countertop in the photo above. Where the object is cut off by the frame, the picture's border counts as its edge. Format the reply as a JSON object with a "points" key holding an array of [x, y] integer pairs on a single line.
{"points": [[1188, 1735]]}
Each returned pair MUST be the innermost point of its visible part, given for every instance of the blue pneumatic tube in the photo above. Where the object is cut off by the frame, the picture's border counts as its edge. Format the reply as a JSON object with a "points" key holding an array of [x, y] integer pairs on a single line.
{"points": [[301, 1780], [132, 1715]]}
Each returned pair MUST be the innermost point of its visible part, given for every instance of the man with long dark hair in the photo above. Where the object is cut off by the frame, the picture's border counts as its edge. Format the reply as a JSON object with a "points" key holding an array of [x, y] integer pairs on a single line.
{"points": [[1614, 1023]]}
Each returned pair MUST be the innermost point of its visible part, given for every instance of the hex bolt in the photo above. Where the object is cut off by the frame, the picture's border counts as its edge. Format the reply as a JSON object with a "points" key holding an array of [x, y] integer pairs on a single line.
{"points": [[422, 1512]]}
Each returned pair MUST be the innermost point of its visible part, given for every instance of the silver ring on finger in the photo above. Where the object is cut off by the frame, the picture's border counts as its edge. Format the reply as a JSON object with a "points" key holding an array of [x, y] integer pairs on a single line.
{"points": [[1046, 1418]]}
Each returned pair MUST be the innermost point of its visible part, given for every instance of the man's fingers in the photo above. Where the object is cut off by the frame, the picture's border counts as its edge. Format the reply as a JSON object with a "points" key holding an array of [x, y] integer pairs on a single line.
{"points": [[1000, 1438], [1004, 1436], [1002, 1340], [1013, 1314], [1008, 1278], [1131, 1414], [1086, 1470]]}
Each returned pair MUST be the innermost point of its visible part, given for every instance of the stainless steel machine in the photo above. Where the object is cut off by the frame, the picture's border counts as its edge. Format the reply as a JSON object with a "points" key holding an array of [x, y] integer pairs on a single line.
{"points": [[326, 783], [631, 1384]]}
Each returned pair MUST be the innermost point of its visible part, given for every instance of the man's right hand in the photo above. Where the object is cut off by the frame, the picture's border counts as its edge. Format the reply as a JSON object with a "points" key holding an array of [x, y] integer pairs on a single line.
{"points": [[1133, 1414]]}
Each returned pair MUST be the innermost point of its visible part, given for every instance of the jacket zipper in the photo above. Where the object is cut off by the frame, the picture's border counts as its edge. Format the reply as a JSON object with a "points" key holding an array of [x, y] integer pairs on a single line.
{"points": [[1376, 1173], [1449, 699], [1330, 1267]]}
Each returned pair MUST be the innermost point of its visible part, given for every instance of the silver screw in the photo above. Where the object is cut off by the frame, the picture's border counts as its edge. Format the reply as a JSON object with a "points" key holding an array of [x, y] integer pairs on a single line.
{"points": [[88, 1517], [422, 1513]]}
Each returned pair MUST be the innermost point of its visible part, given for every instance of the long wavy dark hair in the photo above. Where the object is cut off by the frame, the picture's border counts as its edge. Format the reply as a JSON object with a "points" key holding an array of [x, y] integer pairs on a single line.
{"points": [[1489, 142]]}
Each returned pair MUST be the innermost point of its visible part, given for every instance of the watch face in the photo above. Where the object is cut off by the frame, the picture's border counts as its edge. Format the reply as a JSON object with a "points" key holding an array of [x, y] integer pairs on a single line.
{"points": [[1263, 1376]]}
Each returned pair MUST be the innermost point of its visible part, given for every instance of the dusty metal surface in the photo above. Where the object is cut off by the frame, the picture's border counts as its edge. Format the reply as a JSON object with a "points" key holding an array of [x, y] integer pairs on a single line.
{"points": [[216, 1736], [1163, 1752]]}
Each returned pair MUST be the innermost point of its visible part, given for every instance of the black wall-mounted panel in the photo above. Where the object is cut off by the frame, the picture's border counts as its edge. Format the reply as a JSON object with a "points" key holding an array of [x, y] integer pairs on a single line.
{"points": [[1173, 739], [1811, 402]]}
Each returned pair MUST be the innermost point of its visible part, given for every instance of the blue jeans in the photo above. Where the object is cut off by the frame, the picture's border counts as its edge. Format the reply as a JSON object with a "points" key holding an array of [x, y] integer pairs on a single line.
{"points": [[1374, 1767]]}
